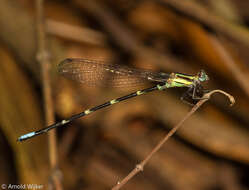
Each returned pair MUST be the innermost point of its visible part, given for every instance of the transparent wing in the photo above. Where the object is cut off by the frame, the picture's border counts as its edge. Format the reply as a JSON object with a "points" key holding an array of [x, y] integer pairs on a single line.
{"points": [[99, 73]]}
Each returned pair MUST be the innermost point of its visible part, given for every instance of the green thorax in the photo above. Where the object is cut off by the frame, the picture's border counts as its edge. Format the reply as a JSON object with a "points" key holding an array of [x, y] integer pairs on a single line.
{"points": [[183, 80]]}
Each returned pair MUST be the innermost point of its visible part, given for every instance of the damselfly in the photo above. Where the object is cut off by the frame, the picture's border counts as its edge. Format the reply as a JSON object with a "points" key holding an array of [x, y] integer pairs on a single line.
{"points": [[97, 72]]}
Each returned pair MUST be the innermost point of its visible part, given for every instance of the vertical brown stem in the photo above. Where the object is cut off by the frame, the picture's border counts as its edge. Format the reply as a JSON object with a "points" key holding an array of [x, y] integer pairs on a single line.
{"points": [[43, 59]]}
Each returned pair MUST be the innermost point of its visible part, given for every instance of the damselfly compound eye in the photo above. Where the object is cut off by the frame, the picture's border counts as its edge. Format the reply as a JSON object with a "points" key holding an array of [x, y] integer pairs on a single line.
{"points": [[203, 76]]}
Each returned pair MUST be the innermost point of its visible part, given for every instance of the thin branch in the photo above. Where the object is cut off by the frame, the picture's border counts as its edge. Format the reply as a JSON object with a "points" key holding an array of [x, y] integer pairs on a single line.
{"points": [[43, 59], [141, 165]]}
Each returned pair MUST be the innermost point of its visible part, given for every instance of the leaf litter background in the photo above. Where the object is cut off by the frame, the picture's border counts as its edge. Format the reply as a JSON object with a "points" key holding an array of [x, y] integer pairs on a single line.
{"points": [[211, 150]]}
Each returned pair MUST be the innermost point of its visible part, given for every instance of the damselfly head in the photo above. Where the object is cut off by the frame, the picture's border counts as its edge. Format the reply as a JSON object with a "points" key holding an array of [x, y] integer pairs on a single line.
{"points": [[202, 76]]}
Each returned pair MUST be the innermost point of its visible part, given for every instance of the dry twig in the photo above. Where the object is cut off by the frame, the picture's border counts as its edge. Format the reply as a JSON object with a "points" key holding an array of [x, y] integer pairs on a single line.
{"points": [[139, 167]]}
